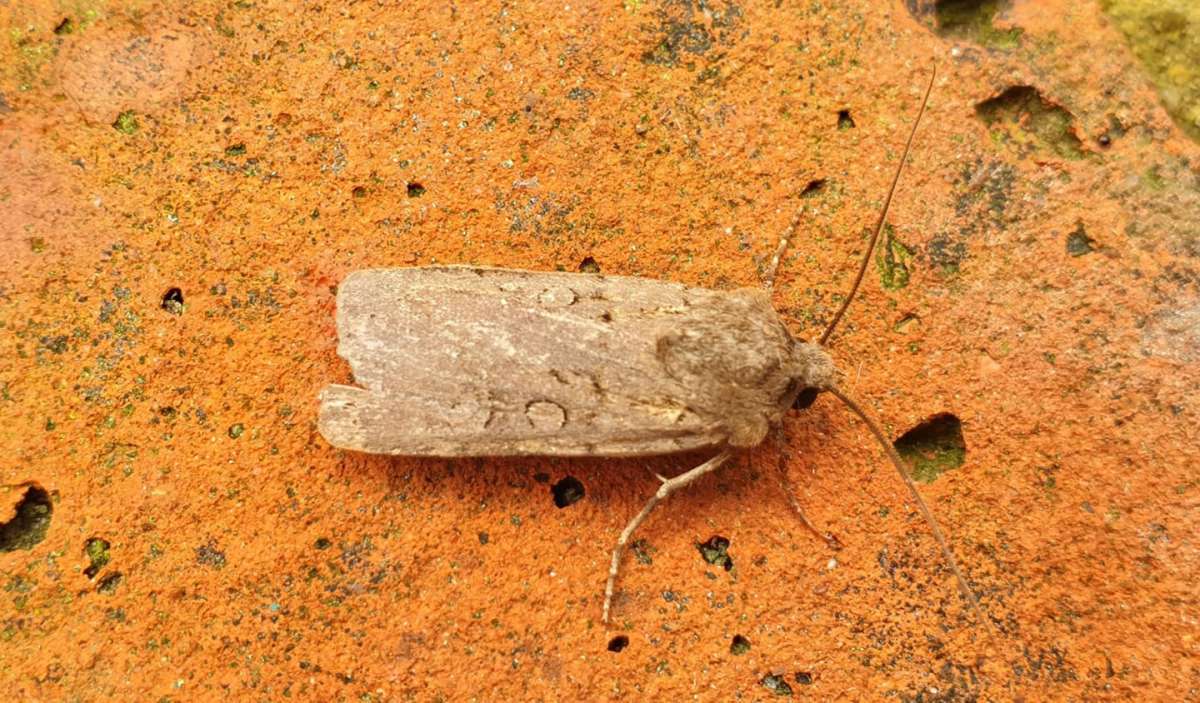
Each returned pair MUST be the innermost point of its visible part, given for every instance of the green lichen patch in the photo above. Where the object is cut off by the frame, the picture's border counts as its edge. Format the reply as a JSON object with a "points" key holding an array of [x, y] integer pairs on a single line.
{"points": [[1165, 37], [892, 260], [975, 21], [715, 551], [689, 29], [1024, 119], [933, 447], [28, 527], [126, 122], [96, 550]]}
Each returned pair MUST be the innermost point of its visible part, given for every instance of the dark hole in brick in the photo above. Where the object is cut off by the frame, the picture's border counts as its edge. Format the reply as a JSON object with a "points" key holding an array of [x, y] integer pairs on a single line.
{"points": [[28, 527], [1104, 140], [739, 645], [66, 26], [1079, 243], [807, 397], [932, 447], [238, 149], [803, 677], [322, 543], [96, 550], [567, 492], [359, 192], [589, 265], [716, 552], [775, 684], [845, 121], [109, 583], [618, 643], [172, 301], [415, 190], [813, 187]]}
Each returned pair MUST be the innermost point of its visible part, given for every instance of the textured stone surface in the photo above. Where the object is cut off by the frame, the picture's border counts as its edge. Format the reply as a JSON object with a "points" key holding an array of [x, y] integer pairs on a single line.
{"points": [[1040, 284]]}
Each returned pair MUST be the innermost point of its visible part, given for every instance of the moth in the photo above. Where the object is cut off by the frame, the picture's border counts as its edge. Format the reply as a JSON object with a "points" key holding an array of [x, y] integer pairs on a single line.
{"points": [[459, 361]]}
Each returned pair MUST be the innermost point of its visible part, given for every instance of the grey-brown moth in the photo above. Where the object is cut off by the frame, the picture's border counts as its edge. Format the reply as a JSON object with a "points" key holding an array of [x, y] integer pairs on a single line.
{"points": [[460, 361]]}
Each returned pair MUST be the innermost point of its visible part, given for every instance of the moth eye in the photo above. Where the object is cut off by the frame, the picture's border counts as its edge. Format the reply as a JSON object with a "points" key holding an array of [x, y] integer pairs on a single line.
{"points": [[807, 397]]}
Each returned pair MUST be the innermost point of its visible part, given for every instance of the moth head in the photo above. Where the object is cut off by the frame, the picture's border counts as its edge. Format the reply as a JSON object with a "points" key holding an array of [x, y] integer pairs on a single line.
{"points": [[814, 372]]}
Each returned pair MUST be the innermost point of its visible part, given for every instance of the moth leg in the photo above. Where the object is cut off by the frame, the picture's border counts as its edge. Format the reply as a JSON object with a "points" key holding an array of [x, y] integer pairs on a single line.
{"points": [[669, 486], [784, 241], [785, 484], [829, 538]]}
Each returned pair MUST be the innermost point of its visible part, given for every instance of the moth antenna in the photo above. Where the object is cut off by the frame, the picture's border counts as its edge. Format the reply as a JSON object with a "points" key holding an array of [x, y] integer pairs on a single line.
{"points": [[926, 513], [887, 203]]}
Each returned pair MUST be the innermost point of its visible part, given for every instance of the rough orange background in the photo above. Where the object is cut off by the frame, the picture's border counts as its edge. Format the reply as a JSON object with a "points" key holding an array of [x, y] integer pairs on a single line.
{"points": [[664, 138]]}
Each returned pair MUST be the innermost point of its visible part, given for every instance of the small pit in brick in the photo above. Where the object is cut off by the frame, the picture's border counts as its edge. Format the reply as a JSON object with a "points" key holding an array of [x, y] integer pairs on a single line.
{"points": [[172, 301], [589, 265], [108, 584], [1024, 119], [804, 678], [776, 684], [933, 447], [739, 645], [567, 492], [30, 522], [845, 120], [716, 552], [813, 187], [618, 643], [415, 190], [1079, 243]]}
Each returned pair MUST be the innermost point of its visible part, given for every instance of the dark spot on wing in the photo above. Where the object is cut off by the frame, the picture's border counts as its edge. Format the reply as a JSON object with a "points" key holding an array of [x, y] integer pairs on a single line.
{"points": [[545, 415]]}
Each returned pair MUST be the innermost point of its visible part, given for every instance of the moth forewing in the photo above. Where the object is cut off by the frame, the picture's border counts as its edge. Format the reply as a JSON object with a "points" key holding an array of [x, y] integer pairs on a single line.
{"points": [[466, 361]]}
